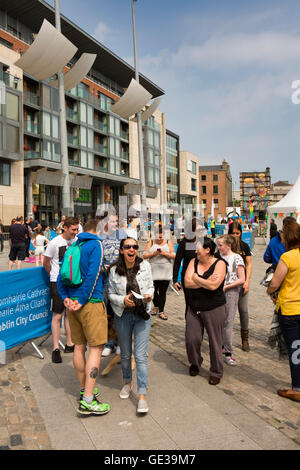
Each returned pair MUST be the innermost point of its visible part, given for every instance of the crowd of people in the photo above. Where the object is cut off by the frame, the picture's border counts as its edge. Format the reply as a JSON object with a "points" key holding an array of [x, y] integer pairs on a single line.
{"points": [[111, 307]]}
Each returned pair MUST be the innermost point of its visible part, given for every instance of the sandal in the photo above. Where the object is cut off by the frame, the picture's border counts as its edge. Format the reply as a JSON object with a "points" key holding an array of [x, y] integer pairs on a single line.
{"points": [[154, 311], [163, 316]]}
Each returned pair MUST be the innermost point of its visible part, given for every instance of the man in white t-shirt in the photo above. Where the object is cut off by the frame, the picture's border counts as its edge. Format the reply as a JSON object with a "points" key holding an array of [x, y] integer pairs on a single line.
{"points": [[52, 261]]}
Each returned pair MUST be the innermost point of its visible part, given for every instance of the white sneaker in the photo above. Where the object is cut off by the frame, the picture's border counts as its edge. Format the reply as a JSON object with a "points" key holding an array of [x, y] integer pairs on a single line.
{"points": [[125, 392], [118, 350], [142, 407], [107, 352], [230, 361]]}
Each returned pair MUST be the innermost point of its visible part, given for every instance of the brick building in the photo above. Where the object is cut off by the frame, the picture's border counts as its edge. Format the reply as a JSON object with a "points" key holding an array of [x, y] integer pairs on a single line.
{"points": [[215, 184]]}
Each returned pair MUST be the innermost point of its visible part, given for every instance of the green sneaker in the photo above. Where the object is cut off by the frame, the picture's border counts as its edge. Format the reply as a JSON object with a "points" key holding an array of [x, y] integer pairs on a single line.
{"points": [[95, 408], [96, 394]]}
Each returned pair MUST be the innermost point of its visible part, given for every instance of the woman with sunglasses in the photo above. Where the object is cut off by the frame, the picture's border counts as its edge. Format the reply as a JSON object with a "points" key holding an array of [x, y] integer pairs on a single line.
{"points": [[243, 250], [130, 291]]}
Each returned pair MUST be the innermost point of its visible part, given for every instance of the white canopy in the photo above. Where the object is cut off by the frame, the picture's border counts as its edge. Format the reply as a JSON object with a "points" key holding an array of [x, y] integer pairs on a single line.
{"points": [[289, 204]]}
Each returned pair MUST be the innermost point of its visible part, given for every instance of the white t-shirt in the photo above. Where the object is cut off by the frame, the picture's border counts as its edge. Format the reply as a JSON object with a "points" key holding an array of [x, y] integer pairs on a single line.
{"points": [[233, 261], [56, 250], [39, 241]]}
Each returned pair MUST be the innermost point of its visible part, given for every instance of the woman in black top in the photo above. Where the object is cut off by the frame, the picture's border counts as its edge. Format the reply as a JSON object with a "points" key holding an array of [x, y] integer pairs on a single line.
{"points": [[186, 251], [235, 229], [204, 281]]}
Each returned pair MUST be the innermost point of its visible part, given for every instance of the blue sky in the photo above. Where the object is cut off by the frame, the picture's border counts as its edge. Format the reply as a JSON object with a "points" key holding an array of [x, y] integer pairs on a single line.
{"points": [[227, 68]]}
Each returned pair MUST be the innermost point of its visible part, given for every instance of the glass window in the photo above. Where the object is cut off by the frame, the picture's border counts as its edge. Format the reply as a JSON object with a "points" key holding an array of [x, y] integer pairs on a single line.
{"points": [[46, 96], [111, 146], [215, 190], [47, 124], [118, 167], [157, 159], [109, 103], [111, 125], [117, 148], [47, 149], [82, 112], [5, 174], [151, 175], [90, 139], [56, 152], [111, 165], [203, 177], [151, 156], [203, 189], [215, 177], [83, 136], [91, 161], [90, 115], [157, 176], [156, 140], [83, 90], [55, 99], [12, 139], [55, 131], [83, 158], [117, 126], [12, 106], [194, 168], [150, 137]]}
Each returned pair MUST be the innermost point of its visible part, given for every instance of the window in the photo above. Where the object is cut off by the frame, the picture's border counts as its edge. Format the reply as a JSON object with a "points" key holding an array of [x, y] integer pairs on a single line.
{"points": [[47, 124], [55, 99], [12, 107], [203, 189], [156, 140], [91, 161], [46, 96], [203, 177], [55, 131], [5, 174], [47, 149], [194, 168], [90, 116], [204, 203], [12, 139], [150, 137], [56, 152], [215, 177], [215, 190], [83, 159], [83, 136], [82, 112], [216, 203], [193, 184], [90, 139], [117, 127]]}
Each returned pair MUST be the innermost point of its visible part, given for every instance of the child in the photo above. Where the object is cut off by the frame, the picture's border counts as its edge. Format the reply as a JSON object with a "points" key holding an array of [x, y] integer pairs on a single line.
{"points": [[234, 279], [39, 241]]}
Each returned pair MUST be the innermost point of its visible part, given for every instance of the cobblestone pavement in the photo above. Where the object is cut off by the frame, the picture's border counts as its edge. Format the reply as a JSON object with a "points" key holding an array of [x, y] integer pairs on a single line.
{"points": [[253, 383], [259, 373]]}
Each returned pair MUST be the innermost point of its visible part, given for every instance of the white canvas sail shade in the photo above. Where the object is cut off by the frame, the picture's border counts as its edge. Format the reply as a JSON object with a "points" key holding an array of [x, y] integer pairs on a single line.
{"points": [[152, 108], [78, 71], [133, 100], [49, 52]]}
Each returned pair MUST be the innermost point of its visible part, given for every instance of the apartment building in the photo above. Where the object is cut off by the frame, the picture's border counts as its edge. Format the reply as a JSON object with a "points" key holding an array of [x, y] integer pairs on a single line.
{"points": [[255, 189], [101, 145], [189, 178], [215, 187]]}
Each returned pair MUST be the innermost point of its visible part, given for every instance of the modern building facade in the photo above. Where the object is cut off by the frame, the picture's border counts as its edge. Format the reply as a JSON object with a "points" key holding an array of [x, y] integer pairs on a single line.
{"points": [[189, 178], [215, 187], [255, 192], [278, 191], [102, 146], [172, 168]]}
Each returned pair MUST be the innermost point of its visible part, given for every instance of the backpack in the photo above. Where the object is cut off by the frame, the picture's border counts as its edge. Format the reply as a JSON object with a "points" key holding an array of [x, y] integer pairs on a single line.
{"points": [[70, 268]]}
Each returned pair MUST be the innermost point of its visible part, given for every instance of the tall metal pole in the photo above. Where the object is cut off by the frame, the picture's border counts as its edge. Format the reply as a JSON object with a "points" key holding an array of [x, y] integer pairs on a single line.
{"points": [[139, 120], [66, 200]]}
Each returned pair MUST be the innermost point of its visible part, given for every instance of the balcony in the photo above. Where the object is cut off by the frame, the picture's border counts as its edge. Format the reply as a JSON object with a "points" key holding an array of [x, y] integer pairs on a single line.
{"points": [[100, 148], [31, 154], [101, 126], [124, 135], [74, 162], [70, 114], [125, 155], [11, 81], [32, 98], [72, 139], [31, 126]]}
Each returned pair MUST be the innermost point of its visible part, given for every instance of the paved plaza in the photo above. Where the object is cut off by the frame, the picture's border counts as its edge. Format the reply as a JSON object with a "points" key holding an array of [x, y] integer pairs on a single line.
{"points": [[39, 399]]}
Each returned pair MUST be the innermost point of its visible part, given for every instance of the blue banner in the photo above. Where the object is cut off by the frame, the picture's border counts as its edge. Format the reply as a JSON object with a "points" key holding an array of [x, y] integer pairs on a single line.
{"points": [[247, 238], [24, 305]]}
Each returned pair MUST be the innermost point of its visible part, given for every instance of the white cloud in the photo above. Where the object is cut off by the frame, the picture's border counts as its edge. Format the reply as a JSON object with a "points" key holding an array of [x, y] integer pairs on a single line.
{"points": [[102, 32]]}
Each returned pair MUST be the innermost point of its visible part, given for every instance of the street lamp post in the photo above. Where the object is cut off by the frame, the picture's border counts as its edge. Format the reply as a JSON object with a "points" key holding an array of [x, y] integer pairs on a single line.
{"points": [[66, 199], [139, 121]]}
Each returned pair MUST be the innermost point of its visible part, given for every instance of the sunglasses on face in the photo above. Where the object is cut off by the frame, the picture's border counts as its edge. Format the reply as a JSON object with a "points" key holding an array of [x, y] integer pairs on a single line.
{"points": [[127, 247]]}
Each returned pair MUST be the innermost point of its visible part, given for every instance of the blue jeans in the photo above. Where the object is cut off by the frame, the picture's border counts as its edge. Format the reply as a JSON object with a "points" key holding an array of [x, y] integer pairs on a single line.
{"points": [[125, 326], [290, 328]]}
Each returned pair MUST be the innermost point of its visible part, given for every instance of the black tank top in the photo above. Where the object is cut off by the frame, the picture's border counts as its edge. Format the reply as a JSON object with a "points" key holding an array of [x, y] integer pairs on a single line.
{"points": [[205, 299]]}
